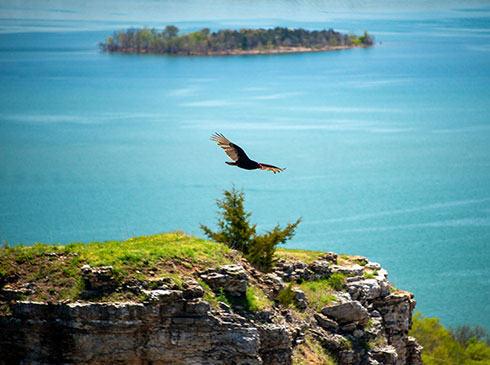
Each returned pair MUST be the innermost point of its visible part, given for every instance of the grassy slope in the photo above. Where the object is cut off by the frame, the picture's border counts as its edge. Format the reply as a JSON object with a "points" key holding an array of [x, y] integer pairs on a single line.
{"points": [[56, 270]]}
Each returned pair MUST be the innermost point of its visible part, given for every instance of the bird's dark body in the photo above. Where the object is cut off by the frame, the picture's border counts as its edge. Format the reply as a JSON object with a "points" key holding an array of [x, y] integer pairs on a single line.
{"points": [[239, 157], [247, 165]]}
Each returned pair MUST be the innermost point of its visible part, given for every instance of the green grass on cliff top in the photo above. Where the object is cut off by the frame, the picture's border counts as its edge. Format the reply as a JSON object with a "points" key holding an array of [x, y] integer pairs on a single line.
{"points": [[301, 255], [144, 250], [55, 270], [153, 250]]}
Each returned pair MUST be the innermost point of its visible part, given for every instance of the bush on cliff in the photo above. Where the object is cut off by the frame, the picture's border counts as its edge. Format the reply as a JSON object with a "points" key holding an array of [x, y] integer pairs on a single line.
{"points": [[286, 295], [235, 230]]}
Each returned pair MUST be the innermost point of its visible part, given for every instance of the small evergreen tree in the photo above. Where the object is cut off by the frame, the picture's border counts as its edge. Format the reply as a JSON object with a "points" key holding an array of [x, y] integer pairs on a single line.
{"points": [[235, 230], [234, 226]]}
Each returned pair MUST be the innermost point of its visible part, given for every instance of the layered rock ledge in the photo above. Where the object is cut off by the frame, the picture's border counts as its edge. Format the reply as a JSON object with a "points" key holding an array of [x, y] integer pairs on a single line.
{"points": [[367, 322]]}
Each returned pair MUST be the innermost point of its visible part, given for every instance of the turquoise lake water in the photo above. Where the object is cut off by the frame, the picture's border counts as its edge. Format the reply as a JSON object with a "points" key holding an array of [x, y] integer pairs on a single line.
{"points": [[387, 149]]}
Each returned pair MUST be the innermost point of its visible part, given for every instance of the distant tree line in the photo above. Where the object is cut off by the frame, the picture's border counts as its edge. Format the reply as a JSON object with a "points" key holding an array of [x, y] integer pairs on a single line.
{"points": [[460, 345], [204, 42]]}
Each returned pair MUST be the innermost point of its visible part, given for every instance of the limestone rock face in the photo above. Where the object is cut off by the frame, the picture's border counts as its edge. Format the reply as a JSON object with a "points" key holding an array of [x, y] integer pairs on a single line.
{"points": [[175, 324], [396, 309], [167, 330]]}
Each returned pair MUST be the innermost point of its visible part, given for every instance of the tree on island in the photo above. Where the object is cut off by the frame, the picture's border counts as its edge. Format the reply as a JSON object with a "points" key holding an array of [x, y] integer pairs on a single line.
{"points": [[204, 42], [235, 230]]}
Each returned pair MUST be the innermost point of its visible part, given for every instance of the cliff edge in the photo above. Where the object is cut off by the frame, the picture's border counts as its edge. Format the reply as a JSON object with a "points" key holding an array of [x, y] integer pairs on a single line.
{"points": [[313, 308]]}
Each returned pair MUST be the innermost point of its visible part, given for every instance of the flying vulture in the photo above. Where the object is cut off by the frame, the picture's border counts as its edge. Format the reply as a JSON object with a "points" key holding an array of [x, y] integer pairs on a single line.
{"points": [[239, 156]]}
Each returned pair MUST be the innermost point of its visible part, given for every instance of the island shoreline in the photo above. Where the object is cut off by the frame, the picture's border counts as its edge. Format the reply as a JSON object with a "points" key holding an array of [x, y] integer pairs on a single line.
{"points": [[231, 42], [251, 52]]}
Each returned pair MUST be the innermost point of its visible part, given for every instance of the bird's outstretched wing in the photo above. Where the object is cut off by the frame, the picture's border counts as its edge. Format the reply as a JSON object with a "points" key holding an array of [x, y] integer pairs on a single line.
{"points": [[275, 169], [232, 150]]}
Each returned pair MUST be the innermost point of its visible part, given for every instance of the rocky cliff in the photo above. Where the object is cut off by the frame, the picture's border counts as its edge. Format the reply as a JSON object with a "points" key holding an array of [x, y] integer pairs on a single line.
{"points": [[205, 319]]}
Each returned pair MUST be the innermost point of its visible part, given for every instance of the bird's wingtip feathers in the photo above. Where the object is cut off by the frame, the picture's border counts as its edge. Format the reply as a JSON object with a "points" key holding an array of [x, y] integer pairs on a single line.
{"points": [[216, 137]]}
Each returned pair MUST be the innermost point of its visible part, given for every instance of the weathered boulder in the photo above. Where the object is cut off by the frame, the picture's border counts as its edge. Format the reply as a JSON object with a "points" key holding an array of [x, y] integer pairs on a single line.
{"points": [[349, 327], [197, 306], [299, 271], [354, 270], [386, 355], [163, 295], [330, 256], [319, 270], [292, 270], [325, 322], [361, 260], [192, 289], [231, 278], [273, 279], [100, 278], [368, 289], [373, 266], [333, 342], [299, 299], [347, 312]]}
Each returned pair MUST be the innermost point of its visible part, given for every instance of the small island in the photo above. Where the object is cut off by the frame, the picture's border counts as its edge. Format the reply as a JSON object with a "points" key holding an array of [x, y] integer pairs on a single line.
{"points": [[231, 42]]}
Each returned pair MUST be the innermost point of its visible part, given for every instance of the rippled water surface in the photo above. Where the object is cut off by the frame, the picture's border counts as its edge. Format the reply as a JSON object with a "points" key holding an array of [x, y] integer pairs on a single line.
{"points": [[387, 149]]}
